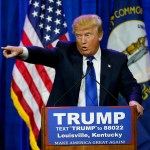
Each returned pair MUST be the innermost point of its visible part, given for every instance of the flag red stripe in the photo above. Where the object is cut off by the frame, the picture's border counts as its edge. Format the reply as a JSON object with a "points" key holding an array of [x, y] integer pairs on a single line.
{"points": [[26, 107], [23, 70], [44, 76], [63, 37], [49, 46], [25, 39]]}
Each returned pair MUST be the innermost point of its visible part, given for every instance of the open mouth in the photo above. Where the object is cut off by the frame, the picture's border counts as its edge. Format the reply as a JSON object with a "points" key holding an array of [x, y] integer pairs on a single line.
{"points": [[84, 48]]}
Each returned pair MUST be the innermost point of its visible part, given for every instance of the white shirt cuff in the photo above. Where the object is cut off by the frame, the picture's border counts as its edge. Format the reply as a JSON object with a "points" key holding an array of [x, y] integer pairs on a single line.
{"points": [[25, 53]]}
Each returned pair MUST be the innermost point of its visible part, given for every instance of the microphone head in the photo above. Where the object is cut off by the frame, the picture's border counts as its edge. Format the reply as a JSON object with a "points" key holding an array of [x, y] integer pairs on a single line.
{"points": [[89, 64]]}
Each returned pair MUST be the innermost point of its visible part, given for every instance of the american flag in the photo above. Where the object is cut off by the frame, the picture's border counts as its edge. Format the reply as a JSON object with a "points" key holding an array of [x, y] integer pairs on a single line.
{"points": [[31, 84]]}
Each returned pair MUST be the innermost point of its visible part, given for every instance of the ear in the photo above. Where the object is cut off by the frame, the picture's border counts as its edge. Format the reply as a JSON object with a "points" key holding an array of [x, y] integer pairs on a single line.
{"points": [[100, 36]]}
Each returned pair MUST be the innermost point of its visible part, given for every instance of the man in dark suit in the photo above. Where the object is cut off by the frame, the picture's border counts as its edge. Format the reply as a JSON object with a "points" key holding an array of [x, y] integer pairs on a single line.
{"points": [[69, 59]]}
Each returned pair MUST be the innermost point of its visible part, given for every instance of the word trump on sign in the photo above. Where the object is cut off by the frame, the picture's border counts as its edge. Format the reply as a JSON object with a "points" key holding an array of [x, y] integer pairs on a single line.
{"points": [[82, 118]]}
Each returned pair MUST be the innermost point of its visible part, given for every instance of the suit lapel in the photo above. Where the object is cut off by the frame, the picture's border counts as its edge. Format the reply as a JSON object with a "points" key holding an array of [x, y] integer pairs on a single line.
{"points": [[105, 76]]}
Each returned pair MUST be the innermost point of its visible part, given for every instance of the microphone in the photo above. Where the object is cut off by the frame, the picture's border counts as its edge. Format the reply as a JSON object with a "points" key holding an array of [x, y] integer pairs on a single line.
{"points": [[89, 66]]}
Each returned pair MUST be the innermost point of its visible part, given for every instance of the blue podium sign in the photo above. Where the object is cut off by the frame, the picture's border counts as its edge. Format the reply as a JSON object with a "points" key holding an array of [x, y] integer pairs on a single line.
{"points": [[89, 125]]}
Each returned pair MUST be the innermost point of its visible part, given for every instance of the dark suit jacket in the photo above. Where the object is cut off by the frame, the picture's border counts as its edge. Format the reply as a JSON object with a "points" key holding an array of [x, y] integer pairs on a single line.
{"points": [[67, 61]]}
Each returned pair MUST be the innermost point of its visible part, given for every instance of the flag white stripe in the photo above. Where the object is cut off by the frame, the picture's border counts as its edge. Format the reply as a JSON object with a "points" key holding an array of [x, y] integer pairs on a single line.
{"points": [[67, 36], [54, 43]]}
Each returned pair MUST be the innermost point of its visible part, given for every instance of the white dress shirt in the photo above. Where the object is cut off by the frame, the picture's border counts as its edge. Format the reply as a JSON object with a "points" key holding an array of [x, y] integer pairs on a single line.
{"points": [[97, 65]]}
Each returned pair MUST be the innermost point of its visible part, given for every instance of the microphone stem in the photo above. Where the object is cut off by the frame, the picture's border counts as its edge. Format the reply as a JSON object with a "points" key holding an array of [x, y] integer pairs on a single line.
{"points": [[104, 88]]}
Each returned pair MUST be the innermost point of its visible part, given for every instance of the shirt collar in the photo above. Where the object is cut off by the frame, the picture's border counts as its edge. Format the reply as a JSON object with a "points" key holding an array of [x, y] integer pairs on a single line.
{"points": [[96, 56]]}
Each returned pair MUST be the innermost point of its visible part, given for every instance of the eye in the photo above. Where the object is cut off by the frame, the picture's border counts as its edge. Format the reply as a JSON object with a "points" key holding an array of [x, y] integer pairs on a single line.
{"points": [[78, 36], [88, 35]]}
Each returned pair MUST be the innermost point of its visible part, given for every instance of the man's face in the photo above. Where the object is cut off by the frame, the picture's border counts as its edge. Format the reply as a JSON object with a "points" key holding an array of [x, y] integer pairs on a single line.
{"points": [[87, 41]]}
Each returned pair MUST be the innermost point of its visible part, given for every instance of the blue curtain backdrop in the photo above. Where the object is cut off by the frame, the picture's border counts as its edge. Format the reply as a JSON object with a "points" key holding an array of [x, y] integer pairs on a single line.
{"points": [[13, 131]]}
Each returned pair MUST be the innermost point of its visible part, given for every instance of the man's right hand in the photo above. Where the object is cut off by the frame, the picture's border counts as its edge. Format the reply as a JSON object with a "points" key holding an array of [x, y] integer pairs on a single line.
{"points": [[12, 51]]}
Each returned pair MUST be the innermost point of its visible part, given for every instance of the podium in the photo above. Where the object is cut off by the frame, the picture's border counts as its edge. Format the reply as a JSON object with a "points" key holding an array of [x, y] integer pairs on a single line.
{"points": [[131, 145]]}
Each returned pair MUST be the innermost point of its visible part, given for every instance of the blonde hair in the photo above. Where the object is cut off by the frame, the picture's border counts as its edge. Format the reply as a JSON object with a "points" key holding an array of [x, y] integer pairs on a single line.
{"points": [[88, 21]]}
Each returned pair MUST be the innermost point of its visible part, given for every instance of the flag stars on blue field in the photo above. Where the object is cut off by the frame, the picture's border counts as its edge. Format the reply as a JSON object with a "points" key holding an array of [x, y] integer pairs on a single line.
{"points": [[58, 3], [47, 37], [48, 28], [48, 19], [50, 9], [51, 1], [41, 25], [43, 7], [57, 21], [65, 24], [58, 12], [42, 16], [56, 31], [35, 13], [36, 4]]}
